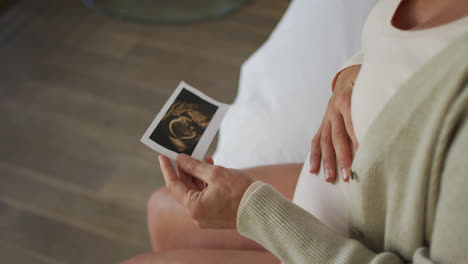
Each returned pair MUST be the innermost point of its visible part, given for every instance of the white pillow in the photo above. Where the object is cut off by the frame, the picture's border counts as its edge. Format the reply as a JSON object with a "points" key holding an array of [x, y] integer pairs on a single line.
{"points": [[285, 85]]}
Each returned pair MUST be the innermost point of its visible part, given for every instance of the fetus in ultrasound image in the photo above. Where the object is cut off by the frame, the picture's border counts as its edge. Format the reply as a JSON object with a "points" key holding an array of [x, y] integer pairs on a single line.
{"points": [[184, 123]]}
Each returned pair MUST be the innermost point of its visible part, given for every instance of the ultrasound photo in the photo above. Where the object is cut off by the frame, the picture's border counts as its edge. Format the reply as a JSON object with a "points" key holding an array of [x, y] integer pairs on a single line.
{"points": [[187, 126], [183, 125]]}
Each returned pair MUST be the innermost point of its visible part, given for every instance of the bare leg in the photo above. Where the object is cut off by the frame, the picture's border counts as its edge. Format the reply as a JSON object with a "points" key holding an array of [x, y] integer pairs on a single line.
{"points": [[205, 256], [171, 228]]}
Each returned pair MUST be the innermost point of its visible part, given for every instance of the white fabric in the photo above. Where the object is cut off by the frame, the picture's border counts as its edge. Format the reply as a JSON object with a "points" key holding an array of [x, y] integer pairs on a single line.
{"points": [[326, 201], [391, 58], [388, 61], [285, 85]]}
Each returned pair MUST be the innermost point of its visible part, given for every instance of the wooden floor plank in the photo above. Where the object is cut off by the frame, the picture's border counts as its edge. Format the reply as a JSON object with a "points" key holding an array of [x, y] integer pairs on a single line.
{"points": [[77, 91], [14, 255], [91, 212], [64, 242]]}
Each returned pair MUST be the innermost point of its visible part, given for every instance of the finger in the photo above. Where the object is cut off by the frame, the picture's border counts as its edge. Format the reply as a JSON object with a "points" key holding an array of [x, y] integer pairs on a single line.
{"points": [[187, 179], [177, 189], [194, 167], [341, 144], [328, 153], [315, 152], [346, 113], [199, 183], [209, 160]]}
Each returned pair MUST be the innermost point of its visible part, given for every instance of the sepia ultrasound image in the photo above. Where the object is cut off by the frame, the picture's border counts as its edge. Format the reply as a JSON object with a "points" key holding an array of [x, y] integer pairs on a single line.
{"points": [[184, 123]]}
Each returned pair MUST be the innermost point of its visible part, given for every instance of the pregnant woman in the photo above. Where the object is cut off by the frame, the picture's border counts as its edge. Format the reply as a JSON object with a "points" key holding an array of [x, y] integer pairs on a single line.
{"points": [[405, 198]]}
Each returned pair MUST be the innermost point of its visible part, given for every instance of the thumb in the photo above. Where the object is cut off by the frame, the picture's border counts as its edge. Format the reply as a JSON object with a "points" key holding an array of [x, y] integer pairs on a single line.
{"points": [[194, 167]]}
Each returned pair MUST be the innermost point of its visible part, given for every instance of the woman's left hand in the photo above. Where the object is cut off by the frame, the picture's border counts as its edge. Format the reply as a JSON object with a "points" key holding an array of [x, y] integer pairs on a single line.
{"points": [[213, 206]]}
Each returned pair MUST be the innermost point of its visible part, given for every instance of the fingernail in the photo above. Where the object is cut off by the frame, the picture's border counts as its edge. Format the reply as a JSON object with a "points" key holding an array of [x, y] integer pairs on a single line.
{"points": [[312, 165], [312, 171], [345, 174], [328, 175]]}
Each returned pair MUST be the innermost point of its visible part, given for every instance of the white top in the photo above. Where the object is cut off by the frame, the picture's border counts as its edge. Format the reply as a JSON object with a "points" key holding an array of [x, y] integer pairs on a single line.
{"points": [[284, 86], [389, 57]]}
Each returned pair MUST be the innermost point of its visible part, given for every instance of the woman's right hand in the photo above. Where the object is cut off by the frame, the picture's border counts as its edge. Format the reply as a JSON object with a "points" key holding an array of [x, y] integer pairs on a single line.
{"points": [[212, 205], [332, 142]]}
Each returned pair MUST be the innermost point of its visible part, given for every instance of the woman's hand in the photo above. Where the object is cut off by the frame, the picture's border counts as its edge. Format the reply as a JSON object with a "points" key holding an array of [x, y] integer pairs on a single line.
{"points": [[215, 204], [331, 144]]}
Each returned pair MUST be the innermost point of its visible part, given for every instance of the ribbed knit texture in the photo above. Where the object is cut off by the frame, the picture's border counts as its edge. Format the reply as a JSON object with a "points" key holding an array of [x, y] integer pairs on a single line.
{"points": [[408, 199]]}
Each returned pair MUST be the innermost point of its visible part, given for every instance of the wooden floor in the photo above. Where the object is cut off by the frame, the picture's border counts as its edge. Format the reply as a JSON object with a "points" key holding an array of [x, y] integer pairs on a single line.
{"points": [[77, 91]]}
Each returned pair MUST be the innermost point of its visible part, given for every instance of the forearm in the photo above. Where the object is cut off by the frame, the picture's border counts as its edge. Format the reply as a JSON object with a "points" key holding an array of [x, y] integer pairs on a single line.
{"points": [[296, 236]]}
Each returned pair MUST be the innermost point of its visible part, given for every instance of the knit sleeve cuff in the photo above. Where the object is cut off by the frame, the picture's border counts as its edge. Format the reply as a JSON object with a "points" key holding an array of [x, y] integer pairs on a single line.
{"points": [[291, 233], [252, 188]]}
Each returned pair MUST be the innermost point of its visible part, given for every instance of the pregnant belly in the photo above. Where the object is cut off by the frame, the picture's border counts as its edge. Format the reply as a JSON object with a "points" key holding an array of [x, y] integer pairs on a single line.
{"points": [[326, 201]]}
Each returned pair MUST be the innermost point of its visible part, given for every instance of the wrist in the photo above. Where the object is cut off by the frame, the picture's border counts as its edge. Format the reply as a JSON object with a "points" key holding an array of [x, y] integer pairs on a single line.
{"points": [[349, 70], [248, 192]]}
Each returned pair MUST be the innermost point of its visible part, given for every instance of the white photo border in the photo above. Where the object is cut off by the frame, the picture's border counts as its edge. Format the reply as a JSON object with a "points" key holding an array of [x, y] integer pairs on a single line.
{"points": [[207, 136]]}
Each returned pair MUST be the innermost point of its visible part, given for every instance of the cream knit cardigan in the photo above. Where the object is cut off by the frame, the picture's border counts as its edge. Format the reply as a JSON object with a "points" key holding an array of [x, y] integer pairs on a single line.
{"points": [[408, 201]]}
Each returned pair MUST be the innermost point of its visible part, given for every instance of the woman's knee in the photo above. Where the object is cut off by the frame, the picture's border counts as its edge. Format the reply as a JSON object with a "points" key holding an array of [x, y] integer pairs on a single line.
{"points": [[205, 256], [161, 207], [171, 228], [160, 201]]}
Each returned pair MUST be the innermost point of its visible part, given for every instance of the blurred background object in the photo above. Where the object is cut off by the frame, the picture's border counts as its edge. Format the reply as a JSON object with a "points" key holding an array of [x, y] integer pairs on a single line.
{"points": [[77, 91], [4, 4], [165, 11]]}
